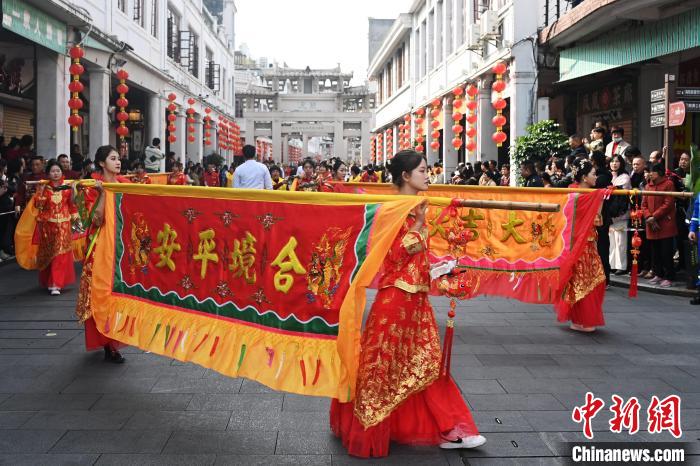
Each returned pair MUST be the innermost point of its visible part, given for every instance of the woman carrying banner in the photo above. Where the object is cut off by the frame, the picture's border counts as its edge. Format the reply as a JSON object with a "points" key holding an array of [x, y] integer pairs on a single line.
{"points": [[108, 168], [400, 394], [582, 302], [339, 171], [176, 177], [308, 181], [55, 215]]}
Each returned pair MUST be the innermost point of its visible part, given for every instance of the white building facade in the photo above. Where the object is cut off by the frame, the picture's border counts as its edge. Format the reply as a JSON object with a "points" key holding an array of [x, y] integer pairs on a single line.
{"points": [[439, 45], [166, 46]]}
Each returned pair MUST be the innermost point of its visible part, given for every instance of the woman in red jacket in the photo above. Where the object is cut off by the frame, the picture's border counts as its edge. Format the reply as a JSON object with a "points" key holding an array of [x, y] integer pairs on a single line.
{"points": [[660, 215]]}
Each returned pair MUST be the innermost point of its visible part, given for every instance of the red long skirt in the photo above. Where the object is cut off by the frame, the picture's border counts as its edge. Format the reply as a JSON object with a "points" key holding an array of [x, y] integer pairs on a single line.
{"points": [[422, 419], [59, 273], [587, 312], [94, 340]]}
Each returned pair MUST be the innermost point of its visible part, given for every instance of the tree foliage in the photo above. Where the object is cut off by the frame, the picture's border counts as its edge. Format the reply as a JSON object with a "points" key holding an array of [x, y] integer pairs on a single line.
{"points": [[543, 139]]}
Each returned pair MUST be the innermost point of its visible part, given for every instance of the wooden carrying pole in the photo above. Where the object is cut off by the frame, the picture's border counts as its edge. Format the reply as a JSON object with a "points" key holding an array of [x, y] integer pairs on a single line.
{"points": [[509, 205]]}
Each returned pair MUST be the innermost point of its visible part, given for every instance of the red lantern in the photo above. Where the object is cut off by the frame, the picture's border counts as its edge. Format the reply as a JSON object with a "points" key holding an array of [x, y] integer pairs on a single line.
{"points": [[75, 103], [457, 129], [499, 104], [436, 102], [457, 103], [190, 120], [435, 112], [172, 97], [122, 88], [472, 92], [172, 138], [499, 137], [471, 146], [471, 105], [498, 120], [456, 116], [457, 143], [435, 123], [420, 148], [191, 101], [419, 121], [122, 74], [122, 102], [471, 132], [458, 91], [122, 116], [190, 129], [191, 138], [172, 117], [171, 128], [499, 68], [435, 145], [471, 119], [499, 86], [207, 110], [172, 107], [435, 134], [122, 131], [420, 111]]}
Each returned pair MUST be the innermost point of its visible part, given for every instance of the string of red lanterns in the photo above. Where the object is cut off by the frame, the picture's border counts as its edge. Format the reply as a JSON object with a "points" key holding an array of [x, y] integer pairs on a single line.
{"points": [[122, 103], [390, 142], [405, 136], [75, 103], [372, 149], [457, 116], [190, 120], [434, 123], [207, 127], [498, 86], [380, 146], [420, 129], [222, 133], [172, 107], [472, 91]]}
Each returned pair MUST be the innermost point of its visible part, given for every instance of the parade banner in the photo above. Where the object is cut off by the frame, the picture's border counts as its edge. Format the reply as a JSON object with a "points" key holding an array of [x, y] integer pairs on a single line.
{"points": [[524, 255], [260, 284]]}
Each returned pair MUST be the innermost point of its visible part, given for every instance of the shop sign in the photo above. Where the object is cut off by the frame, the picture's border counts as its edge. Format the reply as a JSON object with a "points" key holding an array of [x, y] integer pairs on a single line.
{"points": [[676, 113], [688, 93], [614, 96], [692, 107], [33, 24]]}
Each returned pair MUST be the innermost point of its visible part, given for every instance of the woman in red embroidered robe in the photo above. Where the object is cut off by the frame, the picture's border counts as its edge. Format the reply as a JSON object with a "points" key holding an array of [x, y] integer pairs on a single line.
{"points": [[308, 181], [140, 176], [339, 172], [400, 395], [584, 294], [176, 177], [56, 213], [108, 168]]}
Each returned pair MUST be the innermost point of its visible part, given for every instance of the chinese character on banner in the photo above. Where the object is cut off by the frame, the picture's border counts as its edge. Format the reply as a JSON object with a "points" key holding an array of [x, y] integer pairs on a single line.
{"points": [[625, 416], [167, 240], [509, 229], [665, 415], [205, 251], [243, 258], [587, 412], [287, 261]]}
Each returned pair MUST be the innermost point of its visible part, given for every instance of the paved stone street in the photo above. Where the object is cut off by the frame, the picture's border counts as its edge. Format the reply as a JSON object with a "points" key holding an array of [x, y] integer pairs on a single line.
{"points": [[520, 371]]}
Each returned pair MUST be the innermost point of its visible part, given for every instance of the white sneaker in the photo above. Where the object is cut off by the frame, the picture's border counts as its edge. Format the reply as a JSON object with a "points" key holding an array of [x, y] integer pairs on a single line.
{"points": [[471, 441], [54, 291]]}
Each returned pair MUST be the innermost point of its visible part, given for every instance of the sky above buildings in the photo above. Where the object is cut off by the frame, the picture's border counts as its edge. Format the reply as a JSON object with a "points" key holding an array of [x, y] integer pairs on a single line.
{"points": [[317, 33]]}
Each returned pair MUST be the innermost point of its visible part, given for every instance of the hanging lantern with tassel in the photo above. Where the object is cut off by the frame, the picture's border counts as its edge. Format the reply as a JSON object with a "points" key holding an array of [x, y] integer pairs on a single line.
{"points": [[380, 146], [472, 92], [457, 116], [172, 108], [406, 131], [207, 126], [636, 216], [75, 103], [435, 124], [390, 143], [190, 120], [372, 149], [122, 116], [420, 129], [499, 103]]}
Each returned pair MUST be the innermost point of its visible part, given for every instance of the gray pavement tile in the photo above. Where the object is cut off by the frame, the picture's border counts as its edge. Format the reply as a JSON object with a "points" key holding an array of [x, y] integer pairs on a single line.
{"points": [[305, 403], [500, 421], [434, 457], [597, 360], [475, 348], [218, 442], [664, 359], [188, 370], [78, 420], [570, 400], [311, 421], [177, 420], [191, 385], [28, 441], [602, 348], [27, 385], [541, 385], [112, 441], [47, 402], [558, 372], [513, 462], [255, 419], [265, 460], [517, 402], [491, 360], [673, 348], [20, 371], [48, 460], [537, 348], [143, 401], [466, 360], [510, 444], [308, 443], [125, 459], [479, 386], [616, 384], [633, 372], [213, 402], [468, 373], [560, 421], [251, 386], [33, 343], [111, 384], [14, 419], [487, 339]]}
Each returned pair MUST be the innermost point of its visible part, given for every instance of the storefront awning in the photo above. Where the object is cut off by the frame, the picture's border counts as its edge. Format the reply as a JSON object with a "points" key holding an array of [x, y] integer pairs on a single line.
{"points": [[633, 45], [33, 24]]}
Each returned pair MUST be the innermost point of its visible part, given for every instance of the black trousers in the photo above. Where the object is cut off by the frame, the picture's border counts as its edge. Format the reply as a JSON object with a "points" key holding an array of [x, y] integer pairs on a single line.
{"points": [[662, 258]]}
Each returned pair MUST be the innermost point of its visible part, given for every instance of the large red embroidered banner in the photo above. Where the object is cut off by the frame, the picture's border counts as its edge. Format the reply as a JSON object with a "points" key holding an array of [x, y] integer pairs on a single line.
{"points": [[265, 285]]}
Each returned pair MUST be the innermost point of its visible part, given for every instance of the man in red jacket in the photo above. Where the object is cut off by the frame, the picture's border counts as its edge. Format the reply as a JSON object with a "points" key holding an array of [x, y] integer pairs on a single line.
{"points": [[660, 215]]}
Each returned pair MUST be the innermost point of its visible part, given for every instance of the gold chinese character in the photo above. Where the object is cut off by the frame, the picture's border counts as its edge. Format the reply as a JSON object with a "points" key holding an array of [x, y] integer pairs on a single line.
{"points": [[287, 260], [438, 224], [243, 258], [509, 229], [470, 222], [206, 246], [167, 239]]}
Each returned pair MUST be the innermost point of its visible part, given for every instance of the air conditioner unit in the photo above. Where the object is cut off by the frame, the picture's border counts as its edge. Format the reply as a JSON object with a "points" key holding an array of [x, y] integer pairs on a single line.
{"points": [[489, 24], [473, 38]]}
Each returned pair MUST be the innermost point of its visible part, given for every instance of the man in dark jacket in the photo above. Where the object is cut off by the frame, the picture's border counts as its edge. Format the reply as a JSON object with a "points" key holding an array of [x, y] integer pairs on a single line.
{"points": [[530, 177], [577, 147]]}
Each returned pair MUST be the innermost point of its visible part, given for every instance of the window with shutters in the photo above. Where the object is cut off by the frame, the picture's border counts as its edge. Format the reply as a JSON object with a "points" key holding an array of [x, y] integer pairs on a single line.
{"points": [[173, 32], [193, 65], [139, 17], [184, 39], [154, 18]]}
